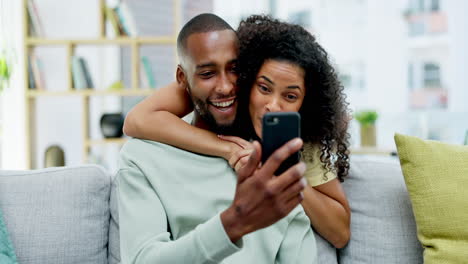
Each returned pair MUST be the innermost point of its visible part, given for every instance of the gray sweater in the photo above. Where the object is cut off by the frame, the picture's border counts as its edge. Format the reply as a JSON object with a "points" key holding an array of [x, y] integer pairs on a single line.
{"points": [[170, 202]]}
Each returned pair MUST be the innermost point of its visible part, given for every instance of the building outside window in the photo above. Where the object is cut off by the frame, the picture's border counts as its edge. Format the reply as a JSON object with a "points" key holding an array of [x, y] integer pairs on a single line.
{"points": [[431, 75]]}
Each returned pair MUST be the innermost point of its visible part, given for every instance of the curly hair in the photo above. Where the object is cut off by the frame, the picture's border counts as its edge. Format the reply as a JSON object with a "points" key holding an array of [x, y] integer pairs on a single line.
{"points": [[324, 110]]}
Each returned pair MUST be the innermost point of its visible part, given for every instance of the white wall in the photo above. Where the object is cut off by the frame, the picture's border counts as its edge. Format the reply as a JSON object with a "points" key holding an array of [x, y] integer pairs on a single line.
{"points": [[458, 30], [13, 146], [387, 56], [234, 11]]}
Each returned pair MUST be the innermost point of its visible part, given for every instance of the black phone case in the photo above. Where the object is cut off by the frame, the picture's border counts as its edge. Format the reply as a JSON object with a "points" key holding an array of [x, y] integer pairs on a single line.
{"points": [[279, 128]]}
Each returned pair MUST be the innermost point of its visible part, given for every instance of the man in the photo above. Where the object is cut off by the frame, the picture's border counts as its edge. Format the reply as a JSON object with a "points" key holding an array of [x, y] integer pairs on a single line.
{"points": [[179, 207]]}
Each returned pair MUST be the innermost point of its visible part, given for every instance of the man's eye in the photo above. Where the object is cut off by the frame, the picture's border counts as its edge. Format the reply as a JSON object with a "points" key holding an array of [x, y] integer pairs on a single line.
{"points": [[234, 69], [205, 74]]}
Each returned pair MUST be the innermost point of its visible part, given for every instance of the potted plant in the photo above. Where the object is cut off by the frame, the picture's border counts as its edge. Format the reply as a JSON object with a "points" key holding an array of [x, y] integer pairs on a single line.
{"points": [[5, 72], [366, 120]]}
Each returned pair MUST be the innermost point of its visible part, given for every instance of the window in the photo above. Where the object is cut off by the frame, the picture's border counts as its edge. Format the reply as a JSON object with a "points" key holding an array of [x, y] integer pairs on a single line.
{"points": [[420, 7], [435, 5], [302, 18], [345, 80], [431, 75], [410, 77]]}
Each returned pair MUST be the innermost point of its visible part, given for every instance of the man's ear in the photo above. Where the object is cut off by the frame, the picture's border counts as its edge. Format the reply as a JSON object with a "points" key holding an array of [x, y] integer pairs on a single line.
{"points": [[181, 77]]}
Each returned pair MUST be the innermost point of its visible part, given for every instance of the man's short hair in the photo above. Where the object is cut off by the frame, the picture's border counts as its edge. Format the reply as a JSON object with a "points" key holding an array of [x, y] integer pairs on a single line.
{"points": [[200, 24]]}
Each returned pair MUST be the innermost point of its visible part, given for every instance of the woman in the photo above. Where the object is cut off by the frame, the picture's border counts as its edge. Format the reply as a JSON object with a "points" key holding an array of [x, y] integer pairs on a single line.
{"points": [[281, 68]]}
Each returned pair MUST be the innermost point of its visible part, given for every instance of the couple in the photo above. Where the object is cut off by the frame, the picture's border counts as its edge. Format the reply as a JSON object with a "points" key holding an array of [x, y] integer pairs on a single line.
{"points": [[177, 206]]}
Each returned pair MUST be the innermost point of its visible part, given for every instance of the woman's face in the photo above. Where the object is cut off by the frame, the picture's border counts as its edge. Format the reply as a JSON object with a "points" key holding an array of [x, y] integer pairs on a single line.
{"points": [[279, 87]]}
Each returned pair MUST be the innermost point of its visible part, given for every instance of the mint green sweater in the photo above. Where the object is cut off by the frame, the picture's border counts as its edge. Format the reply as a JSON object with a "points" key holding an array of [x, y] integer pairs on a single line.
{"points": [[159, 185]]}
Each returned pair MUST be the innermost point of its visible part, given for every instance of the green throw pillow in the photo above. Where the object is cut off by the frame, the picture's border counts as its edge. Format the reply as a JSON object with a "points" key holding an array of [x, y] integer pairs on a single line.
{"points": [[436, 175], [7, 255]]}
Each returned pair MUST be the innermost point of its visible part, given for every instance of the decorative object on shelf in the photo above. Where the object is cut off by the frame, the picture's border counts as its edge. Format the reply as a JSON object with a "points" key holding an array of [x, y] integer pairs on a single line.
{"points": [[112, 125], [116, 86], [5, 72], [54, 157], [367, 121]]}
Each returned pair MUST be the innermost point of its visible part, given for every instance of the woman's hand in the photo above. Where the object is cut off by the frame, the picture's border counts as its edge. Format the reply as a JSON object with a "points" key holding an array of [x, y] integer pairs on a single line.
{"points": [[239, 153]]}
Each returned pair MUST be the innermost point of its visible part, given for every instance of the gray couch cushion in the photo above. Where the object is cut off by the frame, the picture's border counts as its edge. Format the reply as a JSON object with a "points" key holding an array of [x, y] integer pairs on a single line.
{"points": [[114, 235], [383, 229], [57, 215]]}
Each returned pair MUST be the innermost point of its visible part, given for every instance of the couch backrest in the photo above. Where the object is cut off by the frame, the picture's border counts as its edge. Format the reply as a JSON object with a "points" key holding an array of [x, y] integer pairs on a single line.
{"points": [[57, 215], [383, 229], [114, 235]]}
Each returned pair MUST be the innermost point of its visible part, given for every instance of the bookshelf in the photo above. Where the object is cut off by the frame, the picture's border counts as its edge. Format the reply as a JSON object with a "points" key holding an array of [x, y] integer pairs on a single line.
{"points": [[135, 89]]}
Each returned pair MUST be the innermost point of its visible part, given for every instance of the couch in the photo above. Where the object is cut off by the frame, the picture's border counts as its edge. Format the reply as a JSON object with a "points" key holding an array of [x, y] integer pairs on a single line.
{"points": [[69, 215]]}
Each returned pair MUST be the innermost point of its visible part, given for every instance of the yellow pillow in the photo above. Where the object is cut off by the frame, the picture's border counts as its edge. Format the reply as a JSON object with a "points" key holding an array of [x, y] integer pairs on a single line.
{"points": [[436, 175]]}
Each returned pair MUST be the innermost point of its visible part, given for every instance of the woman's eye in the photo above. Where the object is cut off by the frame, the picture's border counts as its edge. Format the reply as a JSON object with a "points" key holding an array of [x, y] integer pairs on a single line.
{"points": [[291, 97], [263, 88]]}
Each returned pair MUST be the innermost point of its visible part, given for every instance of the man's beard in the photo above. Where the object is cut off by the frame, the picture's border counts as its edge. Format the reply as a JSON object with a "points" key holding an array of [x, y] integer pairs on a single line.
{"points": [[202, 108]]}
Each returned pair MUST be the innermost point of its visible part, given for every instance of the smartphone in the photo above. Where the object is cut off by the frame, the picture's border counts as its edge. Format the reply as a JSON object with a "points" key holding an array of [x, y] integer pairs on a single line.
{"points": [[278, 128]]}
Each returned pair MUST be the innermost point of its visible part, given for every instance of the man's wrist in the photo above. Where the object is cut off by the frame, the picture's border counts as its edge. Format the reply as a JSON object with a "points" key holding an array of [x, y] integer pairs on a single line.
{"points": [[232, 225]]}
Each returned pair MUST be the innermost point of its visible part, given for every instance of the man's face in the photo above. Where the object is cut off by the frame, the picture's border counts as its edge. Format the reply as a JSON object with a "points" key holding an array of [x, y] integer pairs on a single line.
{"points": [[209, 68]]}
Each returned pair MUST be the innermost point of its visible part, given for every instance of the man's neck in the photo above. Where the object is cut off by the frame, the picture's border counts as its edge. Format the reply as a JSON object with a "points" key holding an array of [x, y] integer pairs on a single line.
{"points": [[199, 122]]}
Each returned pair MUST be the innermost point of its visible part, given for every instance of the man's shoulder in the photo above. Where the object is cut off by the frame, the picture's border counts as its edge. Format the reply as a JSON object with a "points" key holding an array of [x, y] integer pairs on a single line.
{"points": [[146, 147], [136, 144], [142, 148]]}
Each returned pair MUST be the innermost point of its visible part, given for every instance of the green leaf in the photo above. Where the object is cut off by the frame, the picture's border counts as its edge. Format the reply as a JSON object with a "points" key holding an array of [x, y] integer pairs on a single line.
{"points": [[367, 117]]}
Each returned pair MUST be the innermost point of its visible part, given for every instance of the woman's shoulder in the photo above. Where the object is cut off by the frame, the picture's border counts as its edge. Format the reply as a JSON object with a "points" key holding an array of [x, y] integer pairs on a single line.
{"points": [[310, 152], [317, 172]]}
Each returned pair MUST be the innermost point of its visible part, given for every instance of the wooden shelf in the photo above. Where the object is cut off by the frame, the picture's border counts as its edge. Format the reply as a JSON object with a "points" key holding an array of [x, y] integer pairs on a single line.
{"points": [[90, 92], [103, 41], [106, 141], [134, 45]]}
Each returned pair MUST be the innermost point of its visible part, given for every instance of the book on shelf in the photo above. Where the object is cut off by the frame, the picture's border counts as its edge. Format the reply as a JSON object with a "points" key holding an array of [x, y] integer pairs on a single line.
{"points": [[36, 28], [112, 17], [37, 72], [146, 73], [80, 74], [32, 28], [126, 19], [87, 75], [31, 81]]}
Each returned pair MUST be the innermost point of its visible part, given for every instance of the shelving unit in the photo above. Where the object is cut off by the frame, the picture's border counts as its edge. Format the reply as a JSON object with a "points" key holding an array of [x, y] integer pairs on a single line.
{"points": [[70, 45]]}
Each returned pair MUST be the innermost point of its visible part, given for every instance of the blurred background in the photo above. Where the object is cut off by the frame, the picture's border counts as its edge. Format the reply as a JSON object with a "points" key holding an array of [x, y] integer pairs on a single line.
{"points": [[73, 69]]}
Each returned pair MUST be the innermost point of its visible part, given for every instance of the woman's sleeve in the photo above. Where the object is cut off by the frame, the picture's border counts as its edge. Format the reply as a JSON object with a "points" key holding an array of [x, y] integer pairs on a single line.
{"points": [[316, 173]]}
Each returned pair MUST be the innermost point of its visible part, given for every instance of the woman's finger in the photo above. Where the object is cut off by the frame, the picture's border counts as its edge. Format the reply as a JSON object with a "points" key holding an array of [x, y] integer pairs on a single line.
{"points": [[239, 155], [241, 163]]}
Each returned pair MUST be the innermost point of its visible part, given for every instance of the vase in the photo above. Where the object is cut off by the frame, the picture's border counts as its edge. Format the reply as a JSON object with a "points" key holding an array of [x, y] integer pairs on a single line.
{"points": [[368, 136], [112, 125], [54, 157]]}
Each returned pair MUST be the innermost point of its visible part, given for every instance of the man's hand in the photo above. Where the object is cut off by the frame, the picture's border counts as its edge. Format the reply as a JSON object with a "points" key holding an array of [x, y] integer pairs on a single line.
{"points": [[261, 198]]}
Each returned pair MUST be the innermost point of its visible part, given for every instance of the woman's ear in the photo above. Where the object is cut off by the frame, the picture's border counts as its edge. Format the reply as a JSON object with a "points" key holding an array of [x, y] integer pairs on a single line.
{"points": [[181, 77]]}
